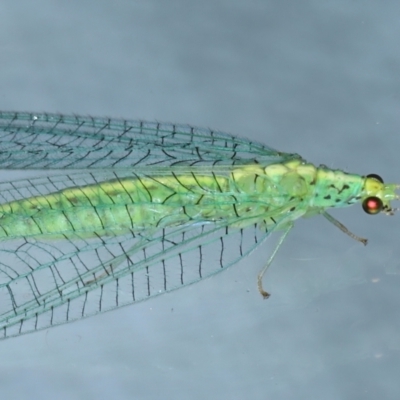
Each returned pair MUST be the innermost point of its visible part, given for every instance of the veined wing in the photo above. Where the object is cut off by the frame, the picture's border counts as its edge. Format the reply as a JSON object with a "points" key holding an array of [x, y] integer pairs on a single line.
{"points": [[44, 283], [48, 282], [55, 141]]}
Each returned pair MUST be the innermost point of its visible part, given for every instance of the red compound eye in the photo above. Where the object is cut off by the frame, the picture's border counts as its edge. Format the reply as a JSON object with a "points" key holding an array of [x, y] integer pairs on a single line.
{"points": [[372, 205]]}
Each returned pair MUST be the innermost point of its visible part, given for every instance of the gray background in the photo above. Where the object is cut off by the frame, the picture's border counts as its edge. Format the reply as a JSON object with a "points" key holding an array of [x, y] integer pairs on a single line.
{"points": [[320, 78]]}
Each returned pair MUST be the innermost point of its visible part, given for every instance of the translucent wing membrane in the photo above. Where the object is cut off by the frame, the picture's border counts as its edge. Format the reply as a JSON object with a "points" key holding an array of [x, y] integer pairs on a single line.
{"points": [[78, 274], [51, 141], [45, 283]]}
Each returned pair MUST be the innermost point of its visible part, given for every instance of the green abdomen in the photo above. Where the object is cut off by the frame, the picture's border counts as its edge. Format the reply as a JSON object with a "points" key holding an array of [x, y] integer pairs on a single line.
{"points": [[114, 207], [240, 196]]}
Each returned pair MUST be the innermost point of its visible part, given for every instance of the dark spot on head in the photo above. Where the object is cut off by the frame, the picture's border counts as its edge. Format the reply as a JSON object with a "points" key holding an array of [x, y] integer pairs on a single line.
{"points": [[376, 177], [327, 197], [292, 209]]}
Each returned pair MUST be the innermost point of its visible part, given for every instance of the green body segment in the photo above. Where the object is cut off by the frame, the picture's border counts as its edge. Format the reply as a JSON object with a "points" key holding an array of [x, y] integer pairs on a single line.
{"points": [[241, 195]]}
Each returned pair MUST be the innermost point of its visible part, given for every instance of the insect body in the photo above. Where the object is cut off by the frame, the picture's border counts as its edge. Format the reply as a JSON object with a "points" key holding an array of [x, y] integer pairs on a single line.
{"points": [[153, 207]]}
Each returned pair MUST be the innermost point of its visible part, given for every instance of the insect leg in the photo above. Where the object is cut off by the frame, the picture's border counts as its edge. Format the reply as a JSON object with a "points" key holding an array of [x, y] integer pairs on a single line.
{"points": [[265, 294], [344, 229]]}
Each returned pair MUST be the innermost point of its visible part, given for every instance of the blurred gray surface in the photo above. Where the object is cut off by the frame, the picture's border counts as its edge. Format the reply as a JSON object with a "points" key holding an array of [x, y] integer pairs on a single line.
{"points": [[318, 78]]}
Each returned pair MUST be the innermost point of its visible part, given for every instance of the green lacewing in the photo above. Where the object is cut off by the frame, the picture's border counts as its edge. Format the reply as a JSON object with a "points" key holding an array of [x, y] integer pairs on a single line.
{"points": [[129, 210]]}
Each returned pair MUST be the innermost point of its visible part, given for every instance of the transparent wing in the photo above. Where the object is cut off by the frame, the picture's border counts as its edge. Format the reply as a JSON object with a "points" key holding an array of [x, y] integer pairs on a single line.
{"points": [[54, 141], [43, 284], [49, 282]]}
